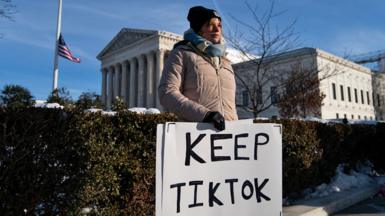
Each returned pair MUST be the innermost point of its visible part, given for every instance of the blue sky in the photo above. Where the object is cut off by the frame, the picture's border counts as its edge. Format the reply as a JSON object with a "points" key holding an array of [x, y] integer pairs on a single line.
{"points": [[26, 49]]}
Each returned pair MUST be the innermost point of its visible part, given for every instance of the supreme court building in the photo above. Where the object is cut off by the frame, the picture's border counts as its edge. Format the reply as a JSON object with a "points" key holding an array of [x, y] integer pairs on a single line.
{"points": [[132, 64]]}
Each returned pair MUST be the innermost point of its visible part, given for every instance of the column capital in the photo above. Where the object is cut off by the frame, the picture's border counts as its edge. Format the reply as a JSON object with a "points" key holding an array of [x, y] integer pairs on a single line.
{"points": [[131, 60], [161, 51], [151, 53]]}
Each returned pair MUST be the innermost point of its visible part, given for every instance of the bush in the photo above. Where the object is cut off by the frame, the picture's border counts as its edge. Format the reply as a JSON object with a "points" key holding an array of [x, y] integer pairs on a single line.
{"points": [[58, 162], [42, 161], [61, 96], [16, 96], [88, 100]]}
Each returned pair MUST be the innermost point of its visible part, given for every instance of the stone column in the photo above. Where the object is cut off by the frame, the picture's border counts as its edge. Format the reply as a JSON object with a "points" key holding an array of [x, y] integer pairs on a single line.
{"points": [[116, 81], [158, 74], [104, 86], [123, 90], [140, 90], [133, 83], [110, 95], [150, 97]]}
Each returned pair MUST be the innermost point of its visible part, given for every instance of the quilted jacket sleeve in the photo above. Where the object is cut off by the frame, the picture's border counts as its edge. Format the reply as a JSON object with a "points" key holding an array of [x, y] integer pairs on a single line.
{"points": [[170, 95]]}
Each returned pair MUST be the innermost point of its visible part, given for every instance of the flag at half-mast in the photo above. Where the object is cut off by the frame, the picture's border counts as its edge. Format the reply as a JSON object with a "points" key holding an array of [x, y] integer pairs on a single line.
{"points": [[65, 52]]}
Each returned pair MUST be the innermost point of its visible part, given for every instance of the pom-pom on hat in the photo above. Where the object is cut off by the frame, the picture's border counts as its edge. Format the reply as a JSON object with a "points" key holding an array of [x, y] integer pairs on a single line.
{"points": [[198, 15]]}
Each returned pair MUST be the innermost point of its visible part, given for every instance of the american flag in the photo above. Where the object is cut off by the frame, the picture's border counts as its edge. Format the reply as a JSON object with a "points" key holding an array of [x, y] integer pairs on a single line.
{"points": [[65, 52]]}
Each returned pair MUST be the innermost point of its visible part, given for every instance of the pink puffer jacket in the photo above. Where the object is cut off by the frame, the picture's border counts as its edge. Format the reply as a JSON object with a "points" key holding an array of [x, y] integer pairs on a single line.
{"points": [[191, 85]]}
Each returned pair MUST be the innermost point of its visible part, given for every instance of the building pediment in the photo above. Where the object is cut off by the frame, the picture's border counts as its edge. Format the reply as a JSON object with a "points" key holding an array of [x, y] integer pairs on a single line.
{"points": [[126, 37]]}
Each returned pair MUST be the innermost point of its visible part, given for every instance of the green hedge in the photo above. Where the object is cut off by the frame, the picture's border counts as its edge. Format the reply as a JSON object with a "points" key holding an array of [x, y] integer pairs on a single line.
{"points": [[61, 161]]}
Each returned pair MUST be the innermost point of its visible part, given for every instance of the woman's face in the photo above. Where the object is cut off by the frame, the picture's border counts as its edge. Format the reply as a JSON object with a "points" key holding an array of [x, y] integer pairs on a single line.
{"points": [[212, 30]]}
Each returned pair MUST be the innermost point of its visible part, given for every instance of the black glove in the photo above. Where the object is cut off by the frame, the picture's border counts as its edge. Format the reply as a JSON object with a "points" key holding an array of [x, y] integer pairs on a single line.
{"points": [[216, 118]]}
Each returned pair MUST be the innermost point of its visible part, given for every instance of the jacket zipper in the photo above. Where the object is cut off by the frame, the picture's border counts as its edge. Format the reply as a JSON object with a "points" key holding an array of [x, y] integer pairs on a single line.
{"points": [[220, 91]]}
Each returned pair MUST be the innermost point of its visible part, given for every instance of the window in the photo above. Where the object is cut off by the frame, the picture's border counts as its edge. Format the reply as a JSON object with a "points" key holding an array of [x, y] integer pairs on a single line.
{"points": [[371, 118], [362, 97], [245, 98], [374, 103], [342, 92], [359, 117], [352, 116], [367, 97], [337, 116], [356, 95], [365, 118], [274, 95], [345, 116], [349, 95], [378, 100], [334, 91]]}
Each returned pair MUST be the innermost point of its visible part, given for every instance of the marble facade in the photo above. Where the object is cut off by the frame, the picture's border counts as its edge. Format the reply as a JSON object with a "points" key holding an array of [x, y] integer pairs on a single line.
{"points": [[132, 64]]}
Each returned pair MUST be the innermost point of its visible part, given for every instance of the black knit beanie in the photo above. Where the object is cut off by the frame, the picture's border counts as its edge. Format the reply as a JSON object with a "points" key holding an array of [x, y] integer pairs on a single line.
{"points": [[198, 16]]}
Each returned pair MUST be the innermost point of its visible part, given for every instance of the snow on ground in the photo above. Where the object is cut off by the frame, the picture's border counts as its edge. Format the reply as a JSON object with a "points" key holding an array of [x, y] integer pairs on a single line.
{"points": [[342, 181], [336, 121], [138, 110], [43, 104], [381, 180], [152, 111]]}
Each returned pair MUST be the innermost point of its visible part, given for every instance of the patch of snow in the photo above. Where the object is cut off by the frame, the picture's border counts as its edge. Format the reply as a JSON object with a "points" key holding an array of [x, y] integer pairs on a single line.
{"points": [[152, 111], [381, 180], [142, 110], [139, 110], [366, 168], [341, 182], [86, 210], [315, 119], [335, 121], [340, 121], [94, 110], [53, 106], [110, 113], [367, 122], [261, 118], [40, 101], [48, 105]]}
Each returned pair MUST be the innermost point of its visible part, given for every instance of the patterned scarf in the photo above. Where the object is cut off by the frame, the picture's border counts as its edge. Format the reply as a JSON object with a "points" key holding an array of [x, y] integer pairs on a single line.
{"points": [[210, 49]]}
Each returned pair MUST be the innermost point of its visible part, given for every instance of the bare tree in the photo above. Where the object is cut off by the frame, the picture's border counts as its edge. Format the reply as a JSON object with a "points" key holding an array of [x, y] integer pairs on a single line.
{"points": [[7, 10], [262, 80], [263, 40], [302, 97], [378, 83]]}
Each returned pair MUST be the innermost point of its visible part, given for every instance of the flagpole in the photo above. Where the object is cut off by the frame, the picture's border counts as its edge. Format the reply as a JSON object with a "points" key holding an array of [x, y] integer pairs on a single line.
{"points": [[56, 57]]}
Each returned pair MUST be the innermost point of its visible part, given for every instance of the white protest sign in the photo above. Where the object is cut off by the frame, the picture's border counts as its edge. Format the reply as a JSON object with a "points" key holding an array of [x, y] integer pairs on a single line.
{"points": [[201, 171]]}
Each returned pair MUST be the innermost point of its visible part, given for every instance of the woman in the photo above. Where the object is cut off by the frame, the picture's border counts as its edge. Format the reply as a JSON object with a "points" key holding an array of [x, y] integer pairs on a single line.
{"points": [[198, 82]]}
